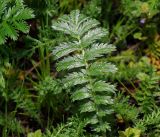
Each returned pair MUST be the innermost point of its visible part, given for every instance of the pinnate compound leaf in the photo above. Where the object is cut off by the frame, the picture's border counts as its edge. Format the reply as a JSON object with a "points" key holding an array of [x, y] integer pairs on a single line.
{"points": [[81, 59], [13, 16]]}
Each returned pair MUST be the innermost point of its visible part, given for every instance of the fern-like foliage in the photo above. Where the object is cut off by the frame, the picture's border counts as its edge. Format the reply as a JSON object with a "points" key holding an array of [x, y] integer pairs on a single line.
{"points": [[148, 91], [150, 123], [12, 19], [80, 58], [124, 109]]}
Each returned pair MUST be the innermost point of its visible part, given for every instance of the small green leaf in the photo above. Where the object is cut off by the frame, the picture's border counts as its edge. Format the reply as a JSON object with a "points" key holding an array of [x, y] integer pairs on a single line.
{"points": [[2, 81], [98, 50], [65, 48], [70, 63], [130, 132], [10, 31], [37, 133], [93, 35], [75, 78], [92, 119], [101, 68], [139, 36], [103, 100], [103, 127], [21, 26], [80, 94], [87, 107], [100, 86]]}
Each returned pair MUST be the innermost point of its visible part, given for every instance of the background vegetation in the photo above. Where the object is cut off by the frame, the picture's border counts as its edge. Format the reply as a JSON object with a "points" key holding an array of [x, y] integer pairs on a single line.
{"points": [[79, 68]]}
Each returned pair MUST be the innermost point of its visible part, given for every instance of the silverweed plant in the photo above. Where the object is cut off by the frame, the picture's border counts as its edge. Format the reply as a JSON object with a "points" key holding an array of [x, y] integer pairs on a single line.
{"points": [[81, 60]]}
